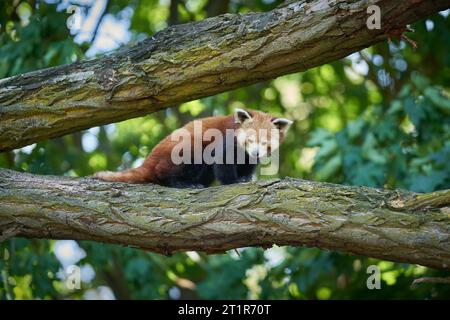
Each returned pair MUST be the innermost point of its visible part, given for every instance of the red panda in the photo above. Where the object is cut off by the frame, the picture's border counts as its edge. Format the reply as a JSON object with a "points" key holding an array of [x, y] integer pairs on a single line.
{"points": [[245, 139]]}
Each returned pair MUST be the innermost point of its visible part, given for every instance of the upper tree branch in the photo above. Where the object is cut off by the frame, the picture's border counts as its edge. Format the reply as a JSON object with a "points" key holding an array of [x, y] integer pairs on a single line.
{"points": [[392, 225], [190, 61]]}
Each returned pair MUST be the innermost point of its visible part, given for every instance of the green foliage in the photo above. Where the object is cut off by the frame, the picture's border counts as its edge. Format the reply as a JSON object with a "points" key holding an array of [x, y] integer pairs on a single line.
{"points": [[379, 118], [33, 39], [405, 146], [28, 269]]}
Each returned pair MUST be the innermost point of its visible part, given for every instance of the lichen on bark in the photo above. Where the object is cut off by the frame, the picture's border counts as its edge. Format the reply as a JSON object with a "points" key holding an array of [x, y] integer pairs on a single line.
{"points": [[388, 224]]}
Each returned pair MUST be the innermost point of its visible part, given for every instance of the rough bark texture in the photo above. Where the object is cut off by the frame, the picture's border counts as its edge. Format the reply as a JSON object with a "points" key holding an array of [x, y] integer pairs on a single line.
{"points": [[190, 61], [391, 225]]}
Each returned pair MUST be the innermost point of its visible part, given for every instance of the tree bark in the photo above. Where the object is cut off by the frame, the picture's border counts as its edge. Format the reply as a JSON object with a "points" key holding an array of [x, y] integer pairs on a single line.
{"points": [[191, 61], [387, 224]]}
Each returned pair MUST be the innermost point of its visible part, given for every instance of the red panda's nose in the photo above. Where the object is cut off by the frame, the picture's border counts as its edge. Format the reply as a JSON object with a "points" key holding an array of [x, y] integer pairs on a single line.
{"points": [[255, 153]]}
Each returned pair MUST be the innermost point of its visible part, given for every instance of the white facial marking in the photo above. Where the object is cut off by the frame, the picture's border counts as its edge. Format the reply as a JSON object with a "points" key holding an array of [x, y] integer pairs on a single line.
{"points": [[256, 150], [283, 121], [252, 149], [241, 138]]}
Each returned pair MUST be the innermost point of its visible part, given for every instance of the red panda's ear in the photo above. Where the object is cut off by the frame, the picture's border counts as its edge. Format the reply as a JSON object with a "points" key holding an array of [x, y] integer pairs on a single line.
{"points": [[240, 115], [282, 124]]}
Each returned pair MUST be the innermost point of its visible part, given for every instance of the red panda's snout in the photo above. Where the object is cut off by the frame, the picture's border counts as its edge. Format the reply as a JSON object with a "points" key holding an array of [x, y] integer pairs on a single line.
{"points": [[256, 145]]}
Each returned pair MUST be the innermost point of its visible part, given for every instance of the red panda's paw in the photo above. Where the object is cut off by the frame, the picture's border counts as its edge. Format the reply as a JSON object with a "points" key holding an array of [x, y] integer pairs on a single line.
{"points": [[103, 175]]}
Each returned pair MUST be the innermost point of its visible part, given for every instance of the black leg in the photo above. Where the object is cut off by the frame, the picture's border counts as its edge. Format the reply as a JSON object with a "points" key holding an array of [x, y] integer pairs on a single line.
{"points": [[245, 178], [245, 172], [225, 173], [181, 184]]}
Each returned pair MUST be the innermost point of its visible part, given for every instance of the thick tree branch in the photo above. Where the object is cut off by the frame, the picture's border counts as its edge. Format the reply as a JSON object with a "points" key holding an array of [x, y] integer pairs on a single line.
{"points": [[190, 61], [392, 225]]}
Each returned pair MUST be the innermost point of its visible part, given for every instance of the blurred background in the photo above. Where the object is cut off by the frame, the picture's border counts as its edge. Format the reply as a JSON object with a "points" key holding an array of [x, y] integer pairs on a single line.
{"points": [[379, 118]]}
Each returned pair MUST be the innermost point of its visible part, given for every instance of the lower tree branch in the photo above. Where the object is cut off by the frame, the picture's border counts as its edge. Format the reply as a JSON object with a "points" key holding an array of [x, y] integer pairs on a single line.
{"points": [[388, 224]]}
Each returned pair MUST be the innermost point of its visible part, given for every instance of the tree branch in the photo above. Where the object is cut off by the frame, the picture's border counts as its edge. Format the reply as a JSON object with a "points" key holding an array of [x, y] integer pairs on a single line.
{"points": [[386, 224], [191, 61]]}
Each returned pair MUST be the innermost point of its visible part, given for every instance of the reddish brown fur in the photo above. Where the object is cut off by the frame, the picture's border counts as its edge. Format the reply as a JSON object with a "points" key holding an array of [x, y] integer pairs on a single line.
{"points": [[158, 165], [159, 162]]}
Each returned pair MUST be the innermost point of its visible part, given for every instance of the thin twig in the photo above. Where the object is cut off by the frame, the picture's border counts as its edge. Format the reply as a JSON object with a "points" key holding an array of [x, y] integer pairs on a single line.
{"points": [[445, 280]]}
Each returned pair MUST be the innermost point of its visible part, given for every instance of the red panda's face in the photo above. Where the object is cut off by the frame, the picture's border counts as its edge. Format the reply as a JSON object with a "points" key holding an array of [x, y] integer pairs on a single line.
{"points": [[259, 133]]}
